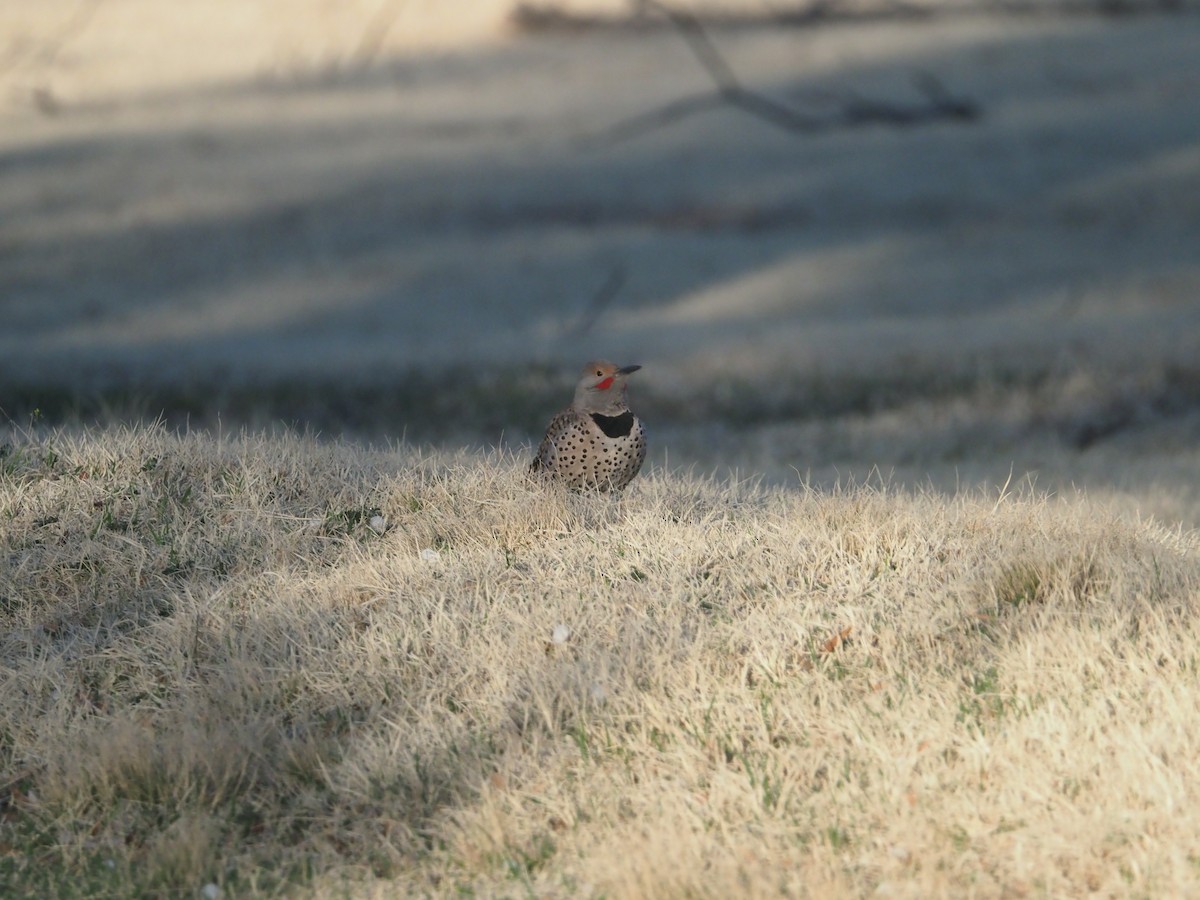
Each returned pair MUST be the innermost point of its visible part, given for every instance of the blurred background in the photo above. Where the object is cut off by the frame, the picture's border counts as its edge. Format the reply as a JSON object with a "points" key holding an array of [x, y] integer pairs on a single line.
{"points": [[938, 242]]}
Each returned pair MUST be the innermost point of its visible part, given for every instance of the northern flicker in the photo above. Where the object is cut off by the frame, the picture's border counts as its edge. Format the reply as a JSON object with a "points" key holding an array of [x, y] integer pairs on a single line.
{"points": [[597, 442]]}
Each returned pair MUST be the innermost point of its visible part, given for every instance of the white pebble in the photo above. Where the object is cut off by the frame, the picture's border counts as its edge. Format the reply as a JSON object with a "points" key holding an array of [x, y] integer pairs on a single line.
{"points": [[378, 524], [430, 555], [211, 891], [560, 634]]}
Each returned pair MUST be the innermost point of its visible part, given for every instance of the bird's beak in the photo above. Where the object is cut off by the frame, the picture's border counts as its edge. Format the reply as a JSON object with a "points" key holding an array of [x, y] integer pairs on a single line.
{"points": [[626, 370]]}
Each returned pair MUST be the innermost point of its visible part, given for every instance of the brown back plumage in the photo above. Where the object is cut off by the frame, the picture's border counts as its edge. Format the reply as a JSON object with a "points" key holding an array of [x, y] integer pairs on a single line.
{"points": [[597, 443]]}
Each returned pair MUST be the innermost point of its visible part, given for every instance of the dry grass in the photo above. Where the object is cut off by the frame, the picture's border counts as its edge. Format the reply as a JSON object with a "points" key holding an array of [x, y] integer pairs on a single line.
{"points": [[283, 666]]}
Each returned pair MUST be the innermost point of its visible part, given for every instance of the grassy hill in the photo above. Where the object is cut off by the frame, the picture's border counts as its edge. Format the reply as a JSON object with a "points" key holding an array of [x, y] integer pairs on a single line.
{"points": [[266, 664]]}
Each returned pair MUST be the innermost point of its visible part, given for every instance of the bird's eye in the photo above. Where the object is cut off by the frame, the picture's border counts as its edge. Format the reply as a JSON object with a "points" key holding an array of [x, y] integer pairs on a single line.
{"points": [[599, 373]]}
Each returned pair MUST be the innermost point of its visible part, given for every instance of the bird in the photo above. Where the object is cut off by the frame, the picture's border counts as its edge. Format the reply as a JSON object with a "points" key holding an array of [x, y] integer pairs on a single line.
{"points": [[596, 443]]}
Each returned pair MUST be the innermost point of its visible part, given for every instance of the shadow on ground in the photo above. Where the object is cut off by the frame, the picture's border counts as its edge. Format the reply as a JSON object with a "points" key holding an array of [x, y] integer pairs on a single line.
{"points": [[429, 246]]}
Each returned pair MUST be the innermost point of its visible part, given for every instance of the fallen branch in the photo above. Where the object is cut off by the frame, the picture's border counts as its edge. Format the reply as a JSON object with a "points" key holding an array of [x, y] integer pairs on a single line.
{"points": [[939, 104], [550, 17]]}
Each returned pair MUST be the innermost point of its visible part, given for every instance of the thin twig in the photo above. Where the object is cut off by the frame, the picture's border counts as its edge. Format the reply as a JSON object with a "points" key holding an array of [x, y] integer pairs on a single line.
{"points": [[644, 123], [703, 48], [46, 53], [377, 30], [600, 302]]}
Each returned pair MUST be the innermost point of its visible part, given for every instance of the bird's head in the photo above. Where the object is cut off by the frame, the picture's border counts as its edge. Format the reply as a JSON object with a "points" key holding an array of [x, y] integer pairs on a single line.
{"points": [[601, 387]]}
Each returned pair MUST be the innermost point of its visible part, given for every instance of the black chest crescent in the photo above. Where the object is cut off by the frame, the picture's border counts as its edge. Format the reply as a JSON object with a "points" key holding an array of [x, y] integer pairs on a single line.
{"points": [[614, 426]]}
